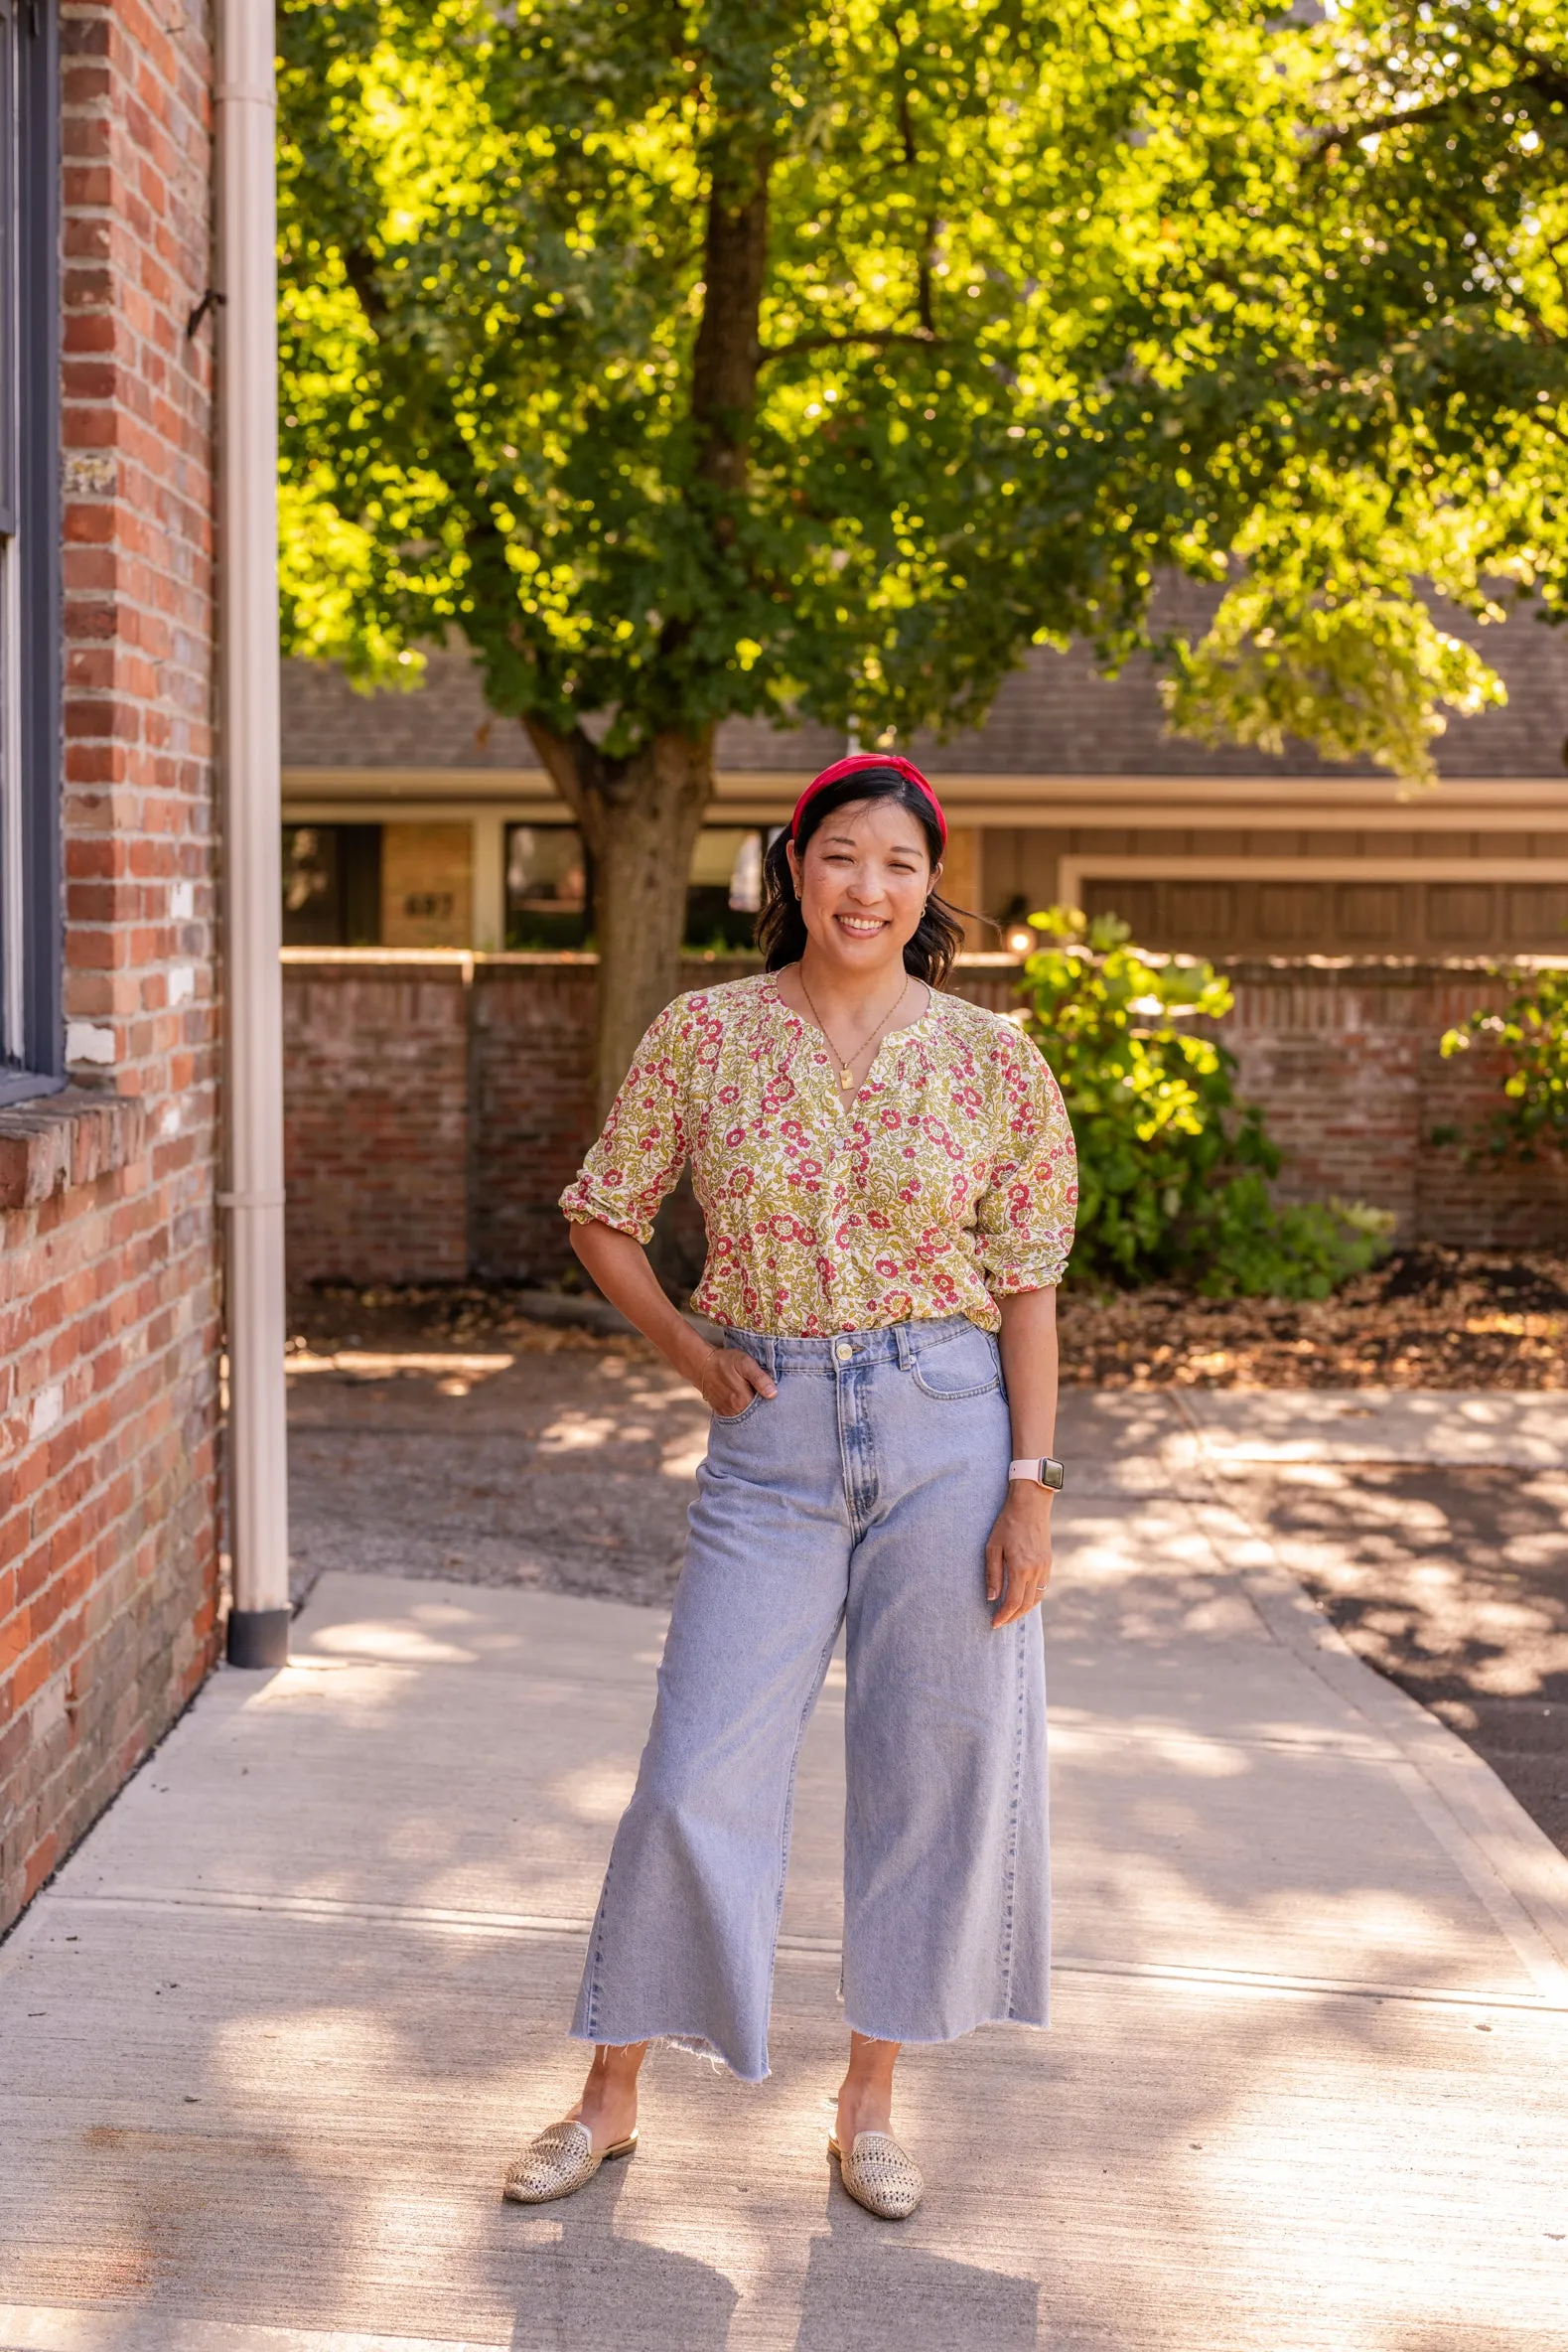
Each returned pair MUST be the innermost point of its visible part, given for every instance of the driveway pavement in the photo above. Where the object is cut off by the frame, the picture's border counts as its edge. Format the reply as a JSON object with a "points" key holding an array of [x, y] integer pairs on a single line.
{"points": [[1432, 1527], [556, 1460], [1433, 1530], [271, 2035]]}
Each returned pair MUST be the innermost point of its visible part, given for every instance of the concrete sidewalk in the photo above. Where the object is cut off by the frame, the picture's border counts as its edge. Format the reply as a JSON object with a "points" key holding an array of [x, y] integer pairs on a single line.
{"points": [[270, 2037]]}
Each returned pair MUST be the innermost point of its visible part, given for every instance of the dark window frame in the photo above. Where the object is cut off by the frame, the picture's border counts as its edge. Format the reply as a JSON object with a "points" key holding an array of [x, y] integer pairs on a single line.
{"points": [[32, 913], [350, 858]]}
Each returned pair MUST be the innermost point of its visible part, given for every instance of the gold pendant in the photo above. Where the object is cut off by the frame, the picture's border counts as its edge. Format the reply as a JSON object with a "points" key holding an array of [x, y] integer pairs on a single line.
{"points": [[846, 1077]]}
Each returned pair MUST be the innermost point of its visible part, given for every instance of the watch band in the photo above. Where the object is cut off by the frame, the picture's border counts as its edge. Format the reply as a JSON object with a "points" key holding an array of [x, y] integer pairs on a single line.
{"points": [[1040, 1470]]}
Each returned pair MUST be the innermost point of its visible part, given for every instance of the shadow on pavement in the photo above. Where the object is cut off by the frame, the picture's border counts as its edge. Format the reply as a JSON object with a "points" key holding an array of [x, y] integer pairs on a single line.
{"points": [[866, 2291], [588, 2287]]}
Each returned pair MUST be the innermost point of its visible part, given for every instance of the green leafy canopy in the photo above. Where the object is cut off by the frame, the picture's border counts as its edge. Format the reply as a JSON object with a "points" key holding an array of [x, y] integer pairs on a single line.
{"points": [[1049, 300]]}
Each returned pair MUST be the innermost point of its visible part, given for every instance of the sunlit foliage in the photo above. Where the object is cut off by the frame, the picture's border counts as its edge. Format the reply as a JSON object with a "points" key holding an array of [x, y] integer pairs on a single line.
{"points": [[1531, 1038], [1174, 1172], [1053, 301]]}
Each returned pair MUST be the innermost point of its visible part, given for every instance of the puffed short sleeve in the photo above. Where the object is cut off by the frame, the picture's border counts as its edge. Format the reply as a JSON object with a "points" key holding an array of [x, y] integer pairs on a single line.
{"points": [[638, 1158], [1024, 1219]]}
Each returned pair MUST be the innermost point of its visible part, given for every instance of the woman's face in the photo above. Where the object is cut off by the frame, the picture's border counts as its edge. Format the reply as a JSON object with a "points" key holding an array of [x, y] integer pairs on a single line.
{"points": [[863, 881]]}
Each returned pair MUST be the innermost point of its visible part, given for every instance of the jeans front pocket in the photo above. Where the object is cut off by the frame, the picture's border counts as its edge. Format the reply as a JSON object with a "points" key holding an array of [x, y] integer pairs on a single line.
{"points": [[733, 1420], [967, 1364]]}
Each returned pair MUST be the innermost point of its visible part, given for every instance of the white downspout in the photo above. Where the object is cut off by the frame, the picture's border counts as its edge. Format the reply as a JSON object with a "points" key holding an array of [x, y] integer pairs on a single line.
{"points": [[259, 1625]]}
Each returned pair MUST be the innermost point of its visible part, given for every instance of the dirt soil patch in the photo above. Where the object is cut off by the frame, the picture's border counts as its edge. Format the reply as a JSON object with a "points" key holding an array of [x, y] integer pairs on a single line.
{"points": [[1427, 1318]]}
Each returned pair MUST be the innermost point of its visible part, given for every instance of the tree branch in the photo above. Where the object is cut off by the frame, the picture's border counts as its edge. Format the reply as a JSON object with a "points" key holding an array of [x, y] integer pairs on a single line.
{"points": [[1545, 424], [923, 267], [922, 281], [831, 343], [567, 760], [1548, 81], [726, 357], [360, 269]]}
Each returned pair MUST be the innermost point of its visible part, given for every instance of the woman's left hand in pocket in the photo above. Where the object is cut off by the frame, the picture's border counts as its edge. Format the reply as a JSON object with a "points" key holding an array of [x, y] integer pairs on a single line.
{"points": [[1018, 1554]]}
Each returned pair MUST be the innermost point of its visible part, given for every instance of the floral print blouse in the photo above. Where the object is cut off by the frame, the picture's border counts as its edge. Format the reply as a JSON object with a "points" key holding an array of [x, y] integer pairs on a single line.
{"points": [[949, 1182]]}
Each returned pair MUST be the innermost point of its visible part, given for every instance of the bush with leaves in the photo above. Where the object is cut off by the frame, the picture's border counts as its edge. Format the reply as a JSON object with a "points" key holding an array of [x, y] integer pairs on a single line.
{"points": [[1531, 1122], [1174, 1171]]}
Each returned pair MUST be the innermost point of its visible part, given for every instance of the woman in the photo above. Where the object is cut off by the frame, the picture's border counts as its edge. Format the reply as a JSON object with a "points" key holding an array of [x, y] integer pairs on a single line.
{"points": [[887, 1181]]}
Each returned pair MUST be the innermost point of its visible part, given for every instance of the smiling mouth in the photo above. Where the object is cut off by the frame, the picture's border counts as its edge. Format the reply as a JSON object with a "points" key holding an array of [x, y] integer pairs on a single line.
{"points": [[861, 927]]}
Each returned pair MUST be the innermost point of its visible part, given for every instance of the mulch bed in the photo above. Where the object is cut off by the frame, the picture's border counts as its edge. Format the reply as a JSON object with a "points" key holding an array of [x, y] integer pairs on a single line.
{"points": [[1427, 1318]]}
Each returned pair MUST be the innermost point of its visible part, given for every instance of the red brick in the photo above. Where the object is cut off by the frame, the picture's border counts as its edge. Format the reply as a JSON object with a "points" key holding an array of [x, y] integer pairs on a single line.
{"points": [[431, 1127], [108, 1572]]}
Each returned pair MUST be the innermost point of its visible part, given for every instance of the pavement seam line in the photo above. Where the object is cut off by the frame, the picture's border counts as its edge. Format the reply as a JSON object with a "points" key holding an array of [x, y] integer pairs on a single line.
{"points": [[411, 1915], [1289, 1615]]}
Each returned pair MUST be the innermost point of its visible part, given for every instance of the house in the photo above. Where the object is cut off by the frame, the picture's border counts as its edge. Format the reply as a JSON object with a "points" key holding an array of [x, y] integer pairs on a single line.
{"points": [[422, 820], [139, 329]]}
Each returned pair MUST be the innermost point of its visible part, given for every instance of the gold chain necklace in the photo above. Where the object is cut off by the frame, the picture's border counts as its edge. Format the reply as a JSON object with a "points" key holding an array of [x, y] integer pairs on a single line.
{"points": [[846, 1075]]}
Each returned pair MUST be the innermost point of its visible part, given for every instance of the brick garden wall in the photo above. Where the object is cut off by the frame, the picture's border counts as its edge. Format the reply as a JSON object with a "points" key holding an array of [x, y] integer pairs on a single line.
{"points": [[437, 1104], [1346, 1059], [108, 1272], [437, 1108], [376, 1055], [533, 1106]]}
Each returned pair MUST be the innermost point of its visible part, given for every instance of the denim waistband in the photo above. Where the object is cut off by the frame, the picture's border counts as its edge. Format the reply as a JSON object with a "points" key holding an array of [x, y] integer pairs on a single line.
{"points": [[894, 1343]]}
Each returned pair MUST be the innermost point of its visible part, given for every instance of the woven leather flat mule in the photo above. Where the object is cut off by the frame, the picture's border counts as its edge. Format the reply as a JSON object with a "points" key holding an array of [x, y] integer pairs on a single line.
{"points": [[558, 2162], [880, 2175]]}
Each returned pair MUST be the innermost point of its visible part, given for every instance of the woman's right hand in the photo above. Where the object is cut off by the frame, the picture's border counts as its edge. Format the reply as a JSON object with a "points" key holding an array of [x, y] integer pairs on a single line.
{"points": [[729, 1379]]}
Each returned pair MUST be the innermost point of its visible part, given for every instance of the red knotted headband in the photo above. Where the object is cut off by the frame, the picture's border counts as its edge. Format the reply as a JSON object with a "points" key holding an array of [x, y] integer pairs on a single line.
{"points": [[852, 767]]}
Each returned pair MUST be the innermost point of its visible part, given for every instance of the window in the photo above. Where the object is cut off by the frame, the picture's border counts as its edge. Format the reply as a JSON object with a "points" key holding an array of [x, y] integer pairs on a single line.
{"points": [[726, 888], [332, 885], [32, 1040], [549, 887]]}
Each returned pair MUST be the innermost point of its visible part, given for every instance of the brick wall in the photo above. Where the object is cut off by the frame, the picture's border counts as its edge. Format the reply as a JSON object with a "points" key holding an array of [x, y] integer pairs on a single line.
{"points": [[437, 1104], [1346, 1058], [432, 1127], [375, 1056], [108, 1272], [533, 1025]]}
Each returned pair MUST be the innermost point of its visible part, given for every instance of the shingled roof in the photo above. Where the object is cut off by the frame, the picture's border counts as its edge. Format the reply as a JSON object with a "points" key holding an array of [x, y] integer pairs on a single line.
{"points": [[1056, 716]]}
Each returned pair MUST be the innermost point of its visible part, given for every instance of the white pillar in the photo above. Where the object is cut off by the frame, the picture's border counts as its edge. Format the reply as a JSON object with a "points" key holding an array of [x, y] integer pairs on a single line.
{"points": [[489, 883], [258, 1627]]}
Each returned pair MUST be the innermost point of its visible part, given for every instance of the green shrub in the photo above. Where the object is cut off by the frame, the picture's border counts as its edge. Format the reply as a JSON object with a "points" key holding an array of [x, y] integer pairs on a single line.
{"points": [[1174, 1172], [1532, 1118]]}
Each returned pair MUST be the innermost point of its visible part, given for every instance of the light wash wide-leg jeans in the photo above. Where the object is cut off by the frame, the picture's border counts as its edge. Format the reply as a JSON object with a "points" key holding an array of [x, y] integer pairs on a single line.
{"points": [[862, 1495]]}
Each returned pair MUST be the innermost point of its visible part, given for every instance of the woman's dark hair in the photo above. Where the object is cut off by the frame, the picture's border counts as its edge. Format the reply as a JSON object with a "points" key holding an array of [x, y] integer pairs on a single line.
{"points": [[780, 929]]}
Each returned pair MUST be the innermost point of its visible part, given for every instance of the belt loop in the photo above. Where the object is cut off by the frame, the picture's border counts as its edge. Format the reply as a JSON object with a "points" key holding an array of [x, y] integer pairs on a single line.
{"points": [[900, 1333], [772, 1345]]}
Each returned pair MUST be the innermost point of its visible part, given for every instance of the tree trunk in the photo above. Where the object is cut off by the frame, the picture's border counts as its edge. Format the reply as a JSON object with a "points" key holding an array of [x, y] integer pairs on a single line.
{"points": [[641, 815], [640, 818], [728, 344]]}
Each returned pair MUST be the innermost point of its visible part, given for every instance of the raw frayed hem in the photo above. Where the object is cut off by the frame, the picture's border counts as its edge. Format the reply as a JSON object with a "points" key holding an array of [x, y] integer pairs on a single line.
{"points": [[934, 2041], [691, 2045]]}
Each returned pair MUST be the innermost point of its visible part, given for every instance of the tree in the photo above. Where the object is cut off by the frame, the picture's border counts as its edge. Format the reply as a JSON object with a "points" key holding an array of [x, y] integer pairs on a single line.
{"points": [[1354, 345], [690, 361]]}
